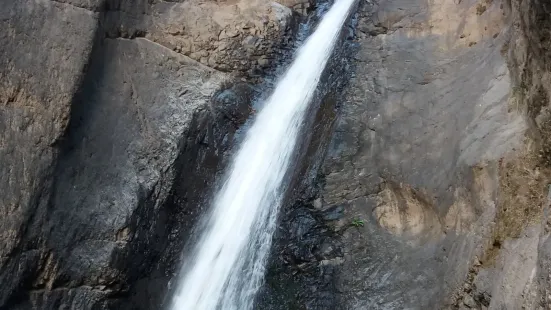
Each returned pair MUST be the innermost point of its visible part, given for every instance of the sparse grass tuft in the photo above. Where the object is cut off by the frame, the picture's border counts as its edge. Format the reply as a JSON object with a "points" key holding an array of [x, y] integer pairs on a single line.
{"points": [[357, 222]]}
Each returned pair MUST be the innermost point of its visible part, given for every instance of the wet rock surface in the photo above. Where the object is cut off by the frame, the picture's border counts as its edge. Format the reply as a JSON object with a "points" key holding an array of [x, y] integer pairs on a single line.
{"points": [[436, 165]]}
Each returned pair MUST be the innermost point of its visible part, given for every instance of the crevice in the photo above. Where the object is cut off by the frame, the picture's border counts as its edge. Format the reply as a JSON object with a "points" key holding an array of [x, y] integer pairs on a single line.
{"points": [[144, 38], [86, 8]]}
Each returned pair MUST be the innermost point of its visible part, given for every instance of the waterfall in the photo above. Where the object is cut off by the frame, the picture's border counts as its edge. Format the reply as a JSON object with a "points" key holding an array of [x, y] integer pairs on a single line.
{"points": [[226, 267]]}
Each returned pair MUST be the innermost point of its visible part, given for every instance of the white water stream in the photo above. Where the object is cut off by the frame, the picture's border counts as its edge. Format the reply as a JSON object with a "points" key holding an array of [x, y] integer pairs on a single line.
{"points": [[227, 265]]}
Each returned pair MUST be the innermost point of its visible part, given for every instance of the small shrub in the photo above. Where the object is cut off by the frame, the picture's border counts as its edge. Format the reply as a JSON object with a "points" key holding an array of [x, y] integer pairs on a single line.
{"points": [[357, 222]]}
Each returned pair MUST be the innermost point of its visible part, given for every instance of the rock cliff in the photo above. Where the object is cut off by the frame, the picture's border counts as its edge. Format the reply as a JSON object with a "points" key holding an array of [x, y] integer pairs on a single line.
{"points": [[114, 120], [423, 183], [433, 191]]}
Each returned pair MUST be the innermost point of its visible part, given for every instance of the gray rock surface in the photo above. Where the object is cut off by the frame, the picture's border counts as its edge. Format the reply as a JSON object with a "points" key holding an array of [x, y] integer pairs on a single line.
{"points": [[35, 96], [434, 183], [110, 141], [428, 189]]}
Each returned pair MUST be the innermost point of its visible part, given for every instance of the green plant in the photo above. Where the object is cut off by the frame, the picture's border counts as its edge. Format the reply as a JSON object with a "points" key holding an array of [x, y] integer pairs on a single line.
{"points": [[357, 222]]}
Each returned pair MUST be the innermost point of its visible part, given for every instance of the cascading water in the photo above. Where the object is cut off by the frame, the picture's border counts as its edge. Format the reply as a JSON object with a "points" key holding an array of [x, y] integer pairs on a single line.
{"points": [[227, 265]]}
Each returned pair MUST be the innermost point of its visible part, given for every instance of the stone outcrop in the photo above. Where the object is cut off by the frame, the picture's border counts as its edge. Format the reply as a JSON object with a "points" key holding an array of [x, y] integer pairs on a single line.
{"points": [[241, 36], [111, 133]]}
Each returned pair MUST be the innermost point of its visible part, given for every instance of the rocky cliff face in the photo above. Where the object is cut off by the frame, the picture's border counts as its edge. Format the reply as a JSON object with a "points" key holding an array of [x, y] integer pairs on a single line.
{"points": [[433, 192], [114, 120], [427, 190]]}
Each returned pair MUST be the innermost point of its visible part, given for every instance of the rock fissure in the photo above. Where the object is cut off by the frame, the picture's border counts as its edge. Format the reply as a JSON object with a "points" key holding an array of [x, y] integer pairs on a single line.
{"points": [[76, 6]]}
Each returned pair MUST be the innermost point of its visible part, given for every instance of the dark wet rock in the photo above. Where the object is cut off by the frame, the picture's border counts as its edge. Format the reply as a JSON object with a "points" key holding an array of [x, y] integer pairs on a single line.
{"points": [[303, 222], [301, 276], [235, 102], [333, 213]]}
